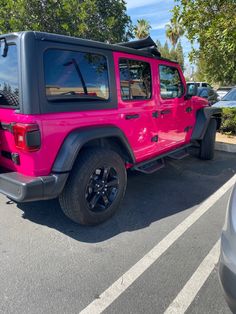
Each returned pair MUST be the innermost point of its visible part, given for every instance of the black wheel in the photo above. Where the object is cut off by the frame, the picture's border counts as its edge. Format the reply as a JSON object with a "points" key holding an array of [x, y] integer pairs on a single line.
{"points": [[8, 99], [207, 145], [95, 188]]}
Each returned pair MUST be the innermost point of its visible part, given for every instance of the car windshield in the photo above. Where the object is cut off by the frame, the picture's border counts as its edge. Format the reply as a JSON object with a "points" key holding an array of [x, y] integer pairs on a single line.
{"points": [[230, 96], [9, 87]]}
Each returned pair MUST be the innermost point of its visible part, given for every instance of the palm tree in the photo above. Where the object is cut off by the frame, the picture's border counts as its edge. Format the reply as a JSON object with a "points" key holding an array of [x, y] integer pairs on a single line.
{"points": [[142, 29], [174, 31]]}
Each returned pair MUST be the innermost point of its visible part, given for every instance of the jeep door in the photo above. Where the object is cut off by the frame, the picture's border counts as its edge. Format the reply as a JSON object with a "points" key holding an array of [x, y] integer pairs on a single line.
{"points": [[136, 103], [176, 119]]}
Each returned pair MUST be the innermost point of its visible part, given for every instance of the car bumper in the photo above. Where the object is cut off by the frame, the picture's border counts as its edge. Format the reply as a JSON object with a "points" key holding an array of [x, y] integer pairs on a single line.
{"points": [[21, 188], [228, 282]]}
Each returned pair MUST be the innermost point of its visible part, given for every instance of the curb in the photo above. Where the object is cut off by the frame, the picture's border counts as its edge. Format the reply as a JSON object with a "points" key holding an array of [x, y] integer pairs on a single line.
{"points": [[225, 147]]}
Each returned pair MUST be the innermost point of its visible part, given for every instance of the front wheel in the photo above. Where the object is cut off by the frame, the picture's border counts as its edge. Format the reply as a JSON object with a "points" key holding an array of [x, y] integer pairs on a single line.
{"points": [[207, 145], [95, 188]]}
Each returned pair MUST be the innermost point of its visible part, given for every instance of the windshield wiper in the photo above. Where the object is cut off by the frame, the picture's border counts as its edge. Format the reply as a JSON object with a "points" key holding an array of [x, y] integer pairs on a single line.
{"points": [[77, 68]]}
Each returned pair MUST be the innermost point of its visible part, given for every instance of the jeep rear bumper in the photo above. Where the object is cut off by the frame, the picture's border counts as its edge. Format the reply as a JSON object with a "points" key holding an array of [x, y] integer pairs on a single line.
{"points": [[21, 188]]}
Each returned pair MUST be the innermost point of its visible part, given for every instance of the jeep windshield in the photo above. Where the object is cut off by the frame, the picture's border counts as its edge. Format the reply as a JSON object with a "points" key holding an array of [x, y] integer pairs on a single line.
{"points": [[9, 85]]}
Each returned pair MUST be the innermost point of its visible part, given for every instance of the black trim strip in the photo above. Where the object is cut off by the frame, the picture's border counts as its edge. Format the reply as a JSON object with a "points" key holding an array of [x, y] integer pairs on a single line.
{"points": [[131, 116], [166, 111]]}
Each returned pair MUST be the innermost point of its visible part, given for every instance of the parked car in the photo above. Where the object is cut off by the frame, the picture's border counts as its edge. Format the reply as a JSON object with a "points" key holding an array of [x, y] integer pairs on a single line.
{"points": [[207, 93], [201, 84], [229, 100], [76, 114], [227, 263], [222, 91]]}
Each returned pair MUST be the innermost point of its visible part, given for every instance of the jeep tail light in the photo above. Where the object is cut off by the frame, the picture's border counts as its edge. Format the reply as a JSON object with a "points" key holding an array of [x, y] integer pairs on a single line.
{"points": [[27, 137]]}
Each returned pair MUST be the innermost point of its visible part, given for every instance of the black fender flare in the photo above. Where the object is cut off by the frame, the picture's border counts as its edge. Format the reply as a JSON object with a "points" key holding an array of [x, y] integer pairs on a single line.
{"points": [[78, 138], [203, 117]]}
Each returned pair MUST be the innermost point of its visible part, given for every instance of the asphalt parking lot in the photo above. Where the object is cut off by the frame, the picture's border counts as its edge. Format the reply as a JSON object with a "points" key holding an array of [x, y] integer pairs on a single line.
{"points": [[158, 254]]}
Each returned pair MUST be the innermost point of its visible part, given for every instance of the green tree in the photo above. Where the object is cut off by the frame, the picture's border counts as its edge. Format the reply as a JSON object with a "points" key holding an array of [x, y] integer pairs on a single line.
{"points": [[165, 51], [201, 71], [212, 23], [180, 54], [92, 19], [142, 29], [174, 31], [175, 54]]}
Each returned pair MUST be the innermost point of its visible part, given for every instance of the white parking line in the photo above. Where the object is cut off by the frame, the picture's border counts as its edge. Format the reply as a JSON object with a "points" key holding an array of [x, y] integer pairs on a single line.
{"points": [[121, 284], [192, 287]]}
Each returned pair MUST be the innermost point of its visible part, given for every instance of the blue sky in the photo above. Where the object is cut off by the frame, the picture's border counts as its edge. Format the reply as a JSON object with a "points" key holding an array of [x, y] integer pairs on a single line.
{"points": [[157, 12]]}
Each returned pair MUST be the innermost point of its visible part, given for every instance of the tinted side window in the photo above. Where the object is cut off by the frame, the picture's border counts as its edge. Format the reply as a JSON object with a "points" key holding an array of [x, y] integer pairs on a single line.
{"points": [[9, 85], [135, 79], [170, 81], [73, 75]]}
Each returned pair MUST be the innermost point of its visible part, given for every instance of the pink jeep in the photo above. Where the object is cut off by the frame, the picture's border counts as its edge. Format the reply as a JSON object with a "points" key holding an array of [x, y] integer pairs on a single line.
{"points": [[76, 114]]}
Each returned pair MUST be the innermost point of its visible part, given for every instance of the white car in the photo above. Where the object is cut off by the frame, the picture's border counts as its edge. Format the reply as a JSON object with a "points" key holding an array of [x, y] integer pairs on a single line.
{"points": [[201, 84]]}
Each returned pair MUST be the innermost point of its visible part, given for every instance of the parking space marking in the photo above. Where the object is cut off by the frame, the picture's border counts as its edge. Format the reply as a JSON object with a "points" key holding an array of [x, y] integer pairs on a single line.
{"points": [[195, 283], [128, 278]]}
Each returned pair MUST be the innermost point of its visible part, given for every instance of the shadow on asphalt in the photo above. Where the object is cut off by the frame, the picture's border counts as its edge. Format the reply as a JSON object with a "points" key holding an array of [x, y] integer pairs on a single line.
{"points": [[182, 184]]}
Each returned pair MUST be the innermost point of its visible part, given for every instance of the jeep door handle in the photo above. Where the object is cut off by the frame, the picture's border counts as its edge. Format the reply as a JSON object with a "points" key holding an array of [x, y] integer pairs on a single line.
{"points": [[166, 111], [132, 116]]}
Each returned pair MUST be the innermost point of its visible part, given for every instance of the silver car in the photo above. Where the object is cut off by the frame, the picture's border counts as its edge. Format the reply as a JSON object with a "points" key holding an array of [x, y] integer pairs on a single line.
{"points": [[227, 264], [229, 100]]}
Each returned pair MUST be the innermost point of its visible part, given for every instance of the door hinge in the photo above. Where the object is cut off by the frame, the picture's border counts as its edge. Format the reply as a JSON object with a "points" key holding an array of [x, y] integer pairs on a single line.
{"points": [[188, 128], [154, 138], [155, 114]]}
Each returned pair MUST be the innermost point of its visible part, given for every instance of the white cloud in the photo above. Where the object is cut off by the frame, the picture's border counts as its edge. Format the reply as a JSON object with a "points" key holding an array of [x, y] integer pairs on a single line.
{"points": [[131, 4], [159, 26]]}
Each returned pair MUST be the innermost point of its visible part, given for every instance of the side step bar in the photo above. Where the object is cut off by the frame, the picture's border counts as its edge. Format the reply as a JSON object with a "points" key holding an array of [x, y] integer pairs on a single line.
{"points": [[179, 155], [157, 163], [151, 167]]}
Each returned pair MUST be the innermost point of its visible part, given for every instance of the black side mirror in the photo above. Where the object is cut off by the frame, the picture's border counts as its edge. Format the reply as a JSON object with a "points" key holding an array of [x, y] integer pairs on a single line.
{"points": [[4, 47], [191, 90]]}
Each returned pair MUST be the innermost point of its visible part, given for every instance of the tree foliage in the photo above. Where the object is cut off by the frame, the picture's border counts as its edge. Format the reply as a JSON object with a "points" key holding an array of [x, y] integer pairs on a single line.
{"points": [[175, 53], [142, 29], [174, 31], [228, 125], [92, 19], [212, 23]]}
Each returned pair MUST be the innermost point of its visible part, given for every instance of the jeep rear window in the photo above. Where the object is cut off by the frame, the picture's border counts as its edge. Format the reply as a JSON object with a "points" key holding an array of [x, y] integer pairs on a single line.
{"points": [[9, 85], [135, 79], [71, 75]]}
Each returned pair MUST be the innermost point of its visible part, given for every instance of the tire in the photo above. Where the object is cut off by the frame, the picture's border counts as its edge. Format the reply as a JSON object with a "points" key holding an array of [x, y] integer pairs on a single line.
{"points": [[9, 99], [207, 145], [95, 187]]}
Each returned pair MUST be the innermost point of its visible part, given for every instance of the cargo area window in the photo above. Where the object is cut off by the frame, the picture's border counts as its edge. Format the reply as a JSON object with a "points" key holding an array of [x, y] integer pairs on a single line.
{"points": [[171, 85], [135, 79], [9, 85], [71, 75]]}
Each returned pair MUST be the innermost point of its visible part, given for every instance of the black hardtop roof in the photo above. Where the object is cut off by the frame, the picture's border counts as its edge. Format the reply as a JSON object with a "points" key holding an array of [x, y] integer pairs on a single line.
{"points": [[132, 47]]}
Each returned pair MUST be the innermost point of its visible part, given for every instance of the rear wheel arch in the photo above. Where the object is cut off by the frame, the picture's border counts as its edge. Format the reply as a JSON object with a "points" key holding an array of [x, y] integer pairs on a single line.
{"points": [[105, 137]]}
